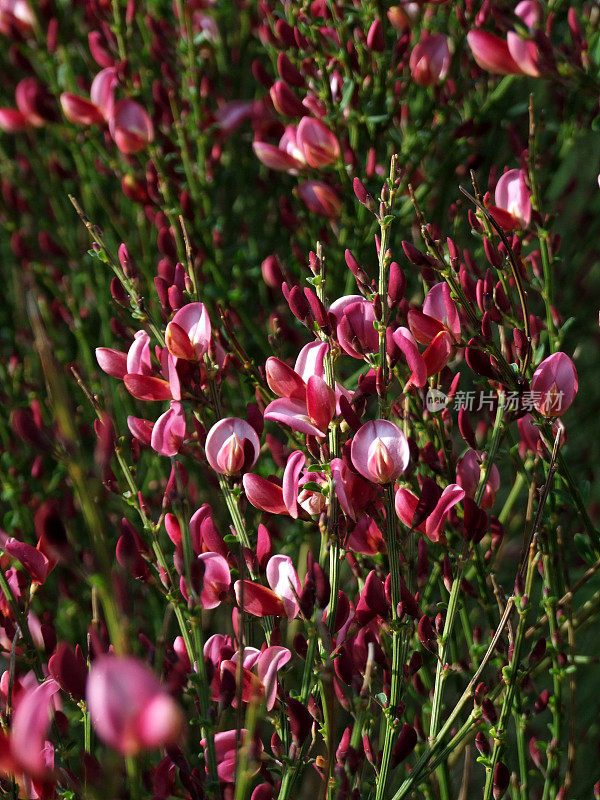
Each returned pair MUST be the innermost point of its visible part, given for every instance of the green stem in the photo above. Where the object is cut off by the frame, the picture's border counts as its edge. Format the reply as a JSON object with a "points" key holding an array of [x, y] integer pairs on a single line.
{"points": [[391, 541]]}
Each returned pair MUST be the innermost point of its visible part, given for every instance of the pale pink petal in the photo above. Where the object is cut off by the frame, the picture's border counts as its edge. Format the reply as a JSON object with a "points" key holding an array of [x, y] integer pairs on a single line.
{"points": [[291, 475], [383, 437], [220, 435], [30, 725], [168, 432], [284, 581], [311, 360], [294, 414], [216, 580], [270, 662]]}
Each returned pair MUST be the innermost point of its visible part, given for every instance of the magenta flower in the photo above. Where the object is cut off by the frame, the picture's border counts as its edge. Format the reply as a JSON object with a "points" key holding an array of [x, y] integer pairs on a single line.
{"points": [[130, 711], [380, 451], [80, 110], [318, 145], [137, 372], [307, 403], [530, 11], [232, 446], [435, 357], [168, 432], [34, 562], [554, 385], [320, 198], [492, 54], [216, 580], [267, 664], [188, 334], [99, 107], [355, 328], [130, 126], [226, 746], [13, 121], [512, 196], [525, 53], [311, 415], [16, 15], [102, 91], [366, 538], [274, 157], [352, 491], [285, 101], [278, 601], [284, 157], [529, 433], [430, 60], [468, 473], [439, 313], [406, 505], [30, 726], [288, 497]]}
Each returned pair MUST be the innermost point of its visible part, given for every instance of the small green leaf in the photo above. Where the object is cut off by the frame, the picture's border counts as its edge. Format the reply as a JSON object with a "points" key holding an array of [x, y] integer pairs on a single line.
{"points": [[347, 94], [311, 486], [584, 548]]}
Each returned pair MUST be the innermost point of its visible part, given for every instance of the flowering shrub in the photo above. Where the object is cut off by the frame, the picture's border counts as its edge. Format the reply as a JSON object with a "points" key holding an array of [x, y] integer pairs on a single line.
{"points": [[297, 499]]}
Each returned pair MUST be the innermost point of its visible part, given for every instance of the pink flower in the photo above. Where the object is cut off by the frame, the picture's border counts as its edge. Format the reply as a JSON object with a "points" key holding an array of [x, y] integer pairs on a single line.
{"points": [[79, 110], [492, 54], [307, 403], [530, 11], [281, 599], [352, 491], [320, 198], [287, 498], [285, 101], [226, 746], [380, 451], [136, 370], [513, 197], [285, 157], [267, 664], [439, 313], [435, 357], [216, 580], [525, 53], [35, 102], [130, 711], [102, 91], [16, 15], [430, 60], [99, 107], [529, 433], [232, 446], [13, 121], [468, 474], [311, 415], [188, 334], [366, 538], [130, 126], [355, 328], [276, 158], [554, 385], [168, 432], [35, 563], [317, 143], [29, 728], [406, 505]]}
